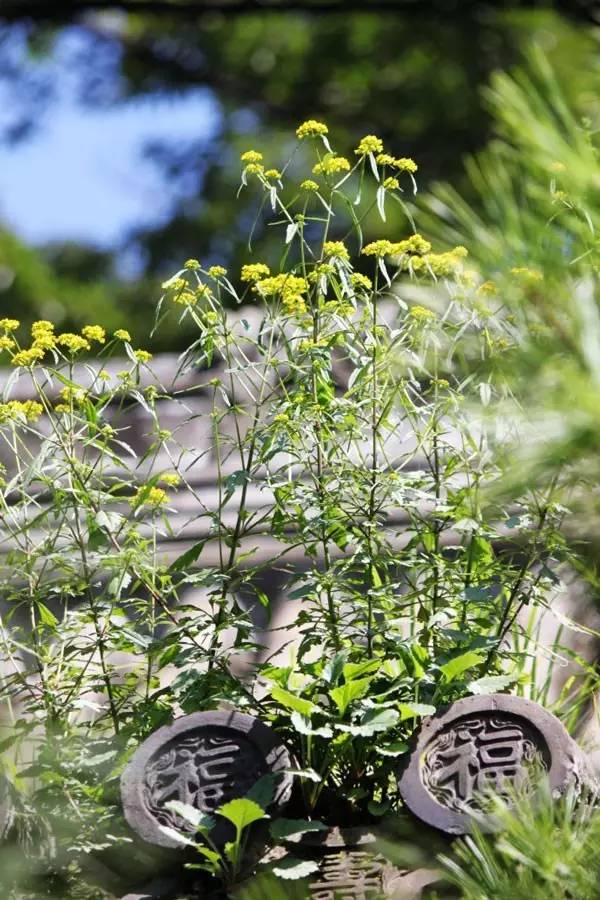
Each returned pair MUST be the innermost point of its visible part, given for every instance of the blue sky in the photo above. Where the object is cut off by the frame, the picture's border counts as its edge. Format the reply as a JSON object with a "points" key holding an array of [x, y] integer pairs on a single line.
{"points": [[81, 175]]}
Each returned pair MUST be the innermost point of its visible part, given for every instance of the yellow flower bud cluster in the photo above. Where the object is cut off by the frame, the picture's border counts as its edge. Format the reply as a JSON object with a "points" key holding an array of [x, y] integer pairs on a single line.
{"points": [[379, 248], [27, 357], [311, 128], [391, 184], [17, 410], [416, 244], [9, 324], [289, 287], [309, 185], [43, 337], [122, 335], [255, 271], [72, 342], [331, 165], [336, 248], [525, 274], [442, 265], [142, 356], [369, 144], [251, 157], [6, 343], [147, 495], [94, 333], [361, 282], [217, 271], [402, 164], [421, 314], [171, 479]]}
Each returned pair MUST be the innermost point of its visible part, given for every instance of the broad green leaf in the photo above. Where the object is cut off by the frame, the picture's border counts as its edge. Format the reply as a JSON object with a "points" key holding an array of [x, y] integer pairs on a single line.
{"points": [[355, 670], [460, 664], [334, 668], [379, 719], [409, 710], [291, 701], [396, 748], [241, 812], [347, 693], [489, 684], [46, 615], [291, 868], [303, 725], [294, 828], [263, 791]]}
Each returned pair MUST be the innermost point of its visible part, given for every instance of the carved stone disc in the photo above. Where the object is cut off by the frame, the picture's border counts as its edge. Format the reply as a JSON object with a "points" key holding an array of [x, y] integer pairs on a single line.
{"points": [[204, 759], [483, 743]]}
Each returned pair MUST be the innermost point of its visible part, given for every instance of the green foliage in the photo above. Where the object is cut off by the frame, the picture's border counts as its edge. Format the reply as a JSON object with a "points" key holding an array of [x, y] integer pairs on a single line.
{"points": [[545, 848]]}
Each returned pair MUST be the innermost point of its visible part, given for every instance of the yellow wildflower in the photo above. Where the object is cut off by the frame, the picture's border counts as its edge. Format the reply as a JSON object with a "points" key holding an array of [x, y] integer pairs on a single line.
{"points": [[361, 282], [191, 264], [217, 271], [142, 356], [185, 298], [384, 159], [311, 128], [391, 184], [9, 324], [149, 496], [487, 288], [251, 156], [176, 283], [103, 375], [122, 335], [171, 479], [6, 343], [405, 164], [254, 271], [309, 185], [41, 327], [94, 333], [254, 169], [73, 342], [421, 313], [27, 357], [331, 165], [289, 287], [45, 340], [336, 248], [30, 410], [272, 173], [323, 270], [416, 243], [369, 144], [378, 248]]}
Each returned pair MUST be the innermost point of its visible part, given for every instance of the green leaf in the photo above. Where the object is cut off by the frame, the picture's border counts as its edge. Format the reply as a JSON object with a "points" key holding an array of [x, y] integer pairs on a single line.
{"points": [[195, 817], [489, 684], [241, 812], [186, 559], [47, 617], [291, 701], [347, 693], [263, 791], [334, 668], [283, 829], [396, 748], [292, 868], [379, 719], [410, 710], [303, 725], [355, 670], [460, 664]]}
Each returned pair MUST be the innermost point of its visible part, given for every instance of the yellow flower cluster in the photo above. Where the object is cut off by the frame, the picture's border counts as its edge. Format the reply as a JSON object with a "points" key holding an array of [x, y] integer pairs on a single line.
{"points": [[391, 184], [402, 164], [309, 185], [217, 271], [254, 169], [6, 343], [122, 335], [9, 324], [442, 265], [361, 282], [251, 156], [27, 357], [421, 313], [336, 248], [30, 410], [331, 165], [311, 128], [171, 479], [416, 244], [273, 173], [142, 356], [289, 287], [43, 336], [149, 496], [322, 270], [69, 397], [94, 333], [191, 264], [72, 342], [378, 248], [254, 271], [369, 144]]}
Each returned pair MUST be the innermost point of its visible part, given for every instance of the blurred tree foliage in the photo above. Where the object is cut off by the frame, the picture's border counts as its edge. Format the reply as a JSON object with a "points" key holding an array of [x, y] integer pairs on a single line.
{"points": [[412, 75]]}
